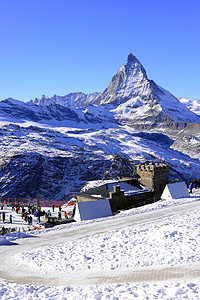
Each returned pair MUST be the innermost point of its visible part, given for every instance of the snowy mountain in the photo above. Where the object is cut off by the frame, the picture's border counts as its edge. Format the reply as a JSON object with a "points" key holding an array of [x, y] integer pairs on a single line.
{"points": [[141, 98], [54, 145], [191, 104], [78, 100], [133, 97]]}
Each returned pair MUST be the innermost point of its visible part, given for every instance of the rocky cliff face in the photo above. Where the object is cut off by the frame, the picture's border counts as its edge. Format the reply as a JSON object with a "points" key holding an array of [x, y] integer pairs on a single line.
{"points": [[55, 178], [120, 166], [55, 164]]}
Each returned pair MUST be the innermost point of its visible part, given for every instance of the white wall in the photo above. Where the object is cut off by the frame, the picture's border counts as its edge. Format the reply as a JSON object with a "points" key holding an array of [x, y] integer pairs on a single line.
{"points": [[175, 191], [92, 210]]}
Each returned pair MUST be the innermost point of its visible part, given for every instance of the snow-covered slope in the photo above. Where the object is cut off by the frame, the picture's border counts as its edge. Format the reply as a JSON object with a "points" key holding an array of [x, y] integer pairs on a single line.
{"points": [[57, 161], [30, 111]]}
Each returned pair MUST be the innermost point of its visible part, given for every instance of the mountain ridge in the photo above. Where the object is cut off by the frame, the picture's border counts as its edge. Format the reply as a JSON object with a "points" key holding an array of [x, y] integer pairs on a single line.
{"points": [[54, 145]]}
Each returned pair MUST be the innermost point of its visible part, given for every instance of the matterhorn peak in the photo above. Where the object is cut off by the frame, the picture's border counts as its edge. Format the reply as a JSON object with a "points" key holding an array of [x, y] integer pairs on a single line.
{"points": [[131, 58], [133, 63]]}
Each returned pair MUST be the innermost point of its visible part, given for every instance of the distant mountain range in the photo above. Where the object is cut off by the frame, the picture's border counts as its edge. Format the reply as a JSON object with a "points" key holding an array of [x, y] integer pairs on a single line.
{"points": [[53, 145]]}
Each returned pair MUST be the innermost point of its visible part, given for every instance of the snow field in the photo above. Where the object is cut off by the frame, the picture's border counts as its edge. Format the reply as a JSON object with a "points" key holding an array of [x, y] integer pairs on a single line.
{"points": [[128, 291], [168, 242], [171, 241]]}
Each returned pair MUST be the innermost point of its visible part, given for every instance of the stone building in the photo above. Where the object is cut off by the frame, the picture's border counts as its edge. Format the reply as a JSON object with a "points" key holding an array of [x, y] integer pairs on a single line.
{"points": [[122, 194], [154, 176], [127, 192], [121, 199]]}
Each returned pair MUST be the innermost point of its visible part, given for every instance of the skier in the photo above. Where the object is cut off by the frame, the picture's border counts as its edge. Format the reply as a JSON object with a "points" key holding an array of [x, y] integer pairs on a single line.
{"points": [[10, 218]]}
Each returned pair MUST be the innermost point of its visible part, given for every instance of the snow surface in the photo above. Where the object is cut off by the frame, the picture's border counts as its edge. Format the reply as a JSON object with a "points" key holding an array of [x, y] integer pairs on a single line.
{"points": [[151, 252]]}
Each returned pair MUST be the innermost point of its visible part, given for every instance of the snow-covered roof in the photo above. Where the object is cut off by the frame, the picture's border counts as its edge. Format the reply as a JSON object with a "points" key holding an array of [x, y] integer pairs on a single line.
{"points": [[102, 188], [175, 190], [96, 183], [127, 188]]}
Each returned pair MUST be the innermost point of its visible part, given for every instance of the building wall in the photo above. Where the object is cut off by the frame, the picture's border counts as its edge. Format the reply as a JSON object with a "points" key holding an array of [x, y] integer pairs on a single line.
{"points": [[154, 176], [119, 201]]}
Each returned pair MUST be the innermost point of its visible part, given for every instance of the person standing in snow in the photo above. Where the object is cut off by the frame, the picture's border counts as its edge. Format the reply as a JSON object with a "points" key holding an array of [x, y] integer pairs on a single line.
{"points": [[190, 187], [29, 208], [26, 216], [38, 216], [29, 220], [10, 218], [33, 210], [3, 216]]}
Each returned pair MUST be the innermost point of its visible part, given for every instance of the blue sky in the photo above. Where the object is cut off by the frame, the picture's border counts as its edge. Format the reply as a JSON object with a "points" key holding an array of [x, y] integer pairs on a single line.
{"points": [[61, 46]]}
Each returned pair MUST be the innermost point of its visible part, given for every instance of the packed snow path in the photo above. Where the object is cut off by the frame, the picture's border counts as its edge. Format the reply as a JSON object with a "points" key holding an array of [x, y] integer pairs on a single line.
{"points": [[25, 275]]}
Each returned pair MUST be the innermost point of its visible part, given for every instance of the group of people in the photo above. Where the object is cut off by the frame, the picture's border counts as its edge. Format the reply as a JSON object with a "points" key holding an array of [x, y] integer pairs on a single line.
{"points": [[59, 212], [3, 214], [28, 211], [25, 213], [197, 183], [3, 205]]}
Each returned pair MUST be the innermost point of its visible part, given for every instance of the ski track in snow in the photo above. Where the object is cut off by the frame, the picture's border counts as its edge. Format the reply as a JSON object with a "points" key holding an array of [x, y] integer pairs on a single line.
{"points": [[151, 251]]}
